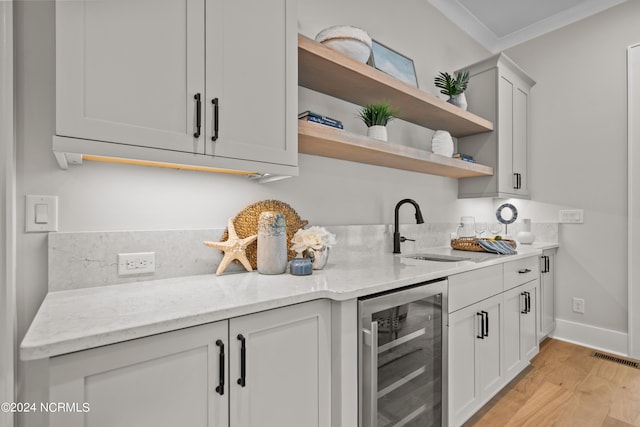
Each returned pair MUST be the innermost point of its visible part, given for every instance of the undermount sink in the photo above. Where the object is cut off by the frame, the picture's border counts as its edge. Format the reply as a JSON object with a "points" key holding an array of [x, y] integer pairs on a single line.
{"points": [[436, 257]]}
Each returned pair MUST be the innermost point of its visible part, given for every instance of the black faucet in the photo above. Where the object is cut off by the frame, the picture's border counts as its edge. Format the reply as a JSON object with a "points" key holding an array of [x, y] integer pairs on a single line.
{"points": [[397, 238]]}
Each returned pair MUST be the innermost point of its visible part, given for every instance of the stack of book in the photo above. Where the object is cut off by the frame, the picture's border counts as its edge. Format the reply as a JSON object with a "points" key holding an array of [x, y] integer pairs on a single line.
{"points": [[323, 120], [464, 157]]}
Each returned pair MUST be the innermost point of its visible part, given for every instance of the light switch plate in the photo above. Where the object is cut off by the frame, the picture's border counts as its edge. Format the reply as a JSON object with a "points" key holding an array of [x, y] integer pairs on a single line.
{"points": [[572, 216], [41, 214]]}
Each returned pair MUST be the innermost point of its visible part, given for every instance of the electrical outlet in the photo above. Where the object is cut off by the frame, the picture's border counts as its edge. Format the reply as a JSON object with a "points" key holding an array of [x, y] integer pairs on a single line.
{"points": [[578, 305], [136, 263]]}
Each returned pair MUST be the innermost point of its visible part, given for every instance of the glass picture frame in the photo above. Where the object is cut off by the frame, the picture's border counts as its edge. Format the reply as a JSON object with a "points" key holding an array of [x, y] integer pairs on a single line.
{"points": [[393, 63]]}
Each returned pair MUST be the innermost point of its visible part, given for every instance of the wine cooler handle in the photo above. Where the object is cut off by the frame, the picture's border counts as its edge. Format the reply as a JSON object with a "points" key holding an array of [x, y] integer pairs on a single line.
{"points": [[371, 342]]}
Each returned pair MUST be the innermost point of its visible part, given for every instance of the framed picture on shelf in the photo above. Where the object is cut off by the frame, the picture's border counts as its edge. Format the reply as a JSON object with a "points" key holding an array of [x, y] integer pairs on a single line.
{"points": [[393, 63]]}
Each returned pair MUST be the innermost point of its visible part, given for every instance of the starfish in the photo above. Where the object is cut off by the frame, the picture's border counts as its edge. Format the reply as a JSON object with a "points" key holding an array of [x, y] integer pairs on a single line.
{"points": [[233, 248]]}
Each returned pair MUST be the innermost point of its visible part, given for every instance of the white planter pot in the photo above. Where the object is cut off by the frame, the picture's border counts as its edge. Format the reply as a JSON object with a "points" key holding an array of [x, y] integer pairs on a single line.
{"points": [[459, 100], [377, 132]]}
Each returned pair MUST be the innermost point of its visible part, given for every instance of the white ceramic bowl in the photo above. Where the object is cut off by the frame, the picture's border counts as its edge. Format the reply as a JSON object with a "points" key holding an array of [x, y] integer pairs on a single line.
{"points": [[352, 41]]}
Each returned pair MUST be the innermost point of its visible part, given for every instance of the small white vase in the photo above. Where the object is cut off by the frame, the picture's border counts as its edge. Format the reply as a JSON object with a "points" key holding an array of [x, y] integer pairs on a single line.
{"points": [[442, 143], [459, 100], [526, 237], [377, 132]]}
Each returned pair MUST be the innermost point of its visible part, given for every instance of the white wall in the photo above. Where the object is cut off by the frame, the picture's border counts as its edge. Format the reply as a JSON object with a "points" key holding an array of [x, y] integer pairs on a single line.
{"points": [[98, 196], [579, 155]]}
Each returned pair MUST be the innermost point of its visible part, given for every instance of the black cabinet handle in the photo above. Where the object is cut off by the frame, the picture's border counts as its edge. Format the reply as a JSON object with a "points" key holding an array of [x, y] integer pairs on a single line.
{"points": [[523, 310], [486, 323], [528, 302], [524, 271], [242, 381], [220, 387], [481, 333], [216, 109], [198, 115], [547, 265]]}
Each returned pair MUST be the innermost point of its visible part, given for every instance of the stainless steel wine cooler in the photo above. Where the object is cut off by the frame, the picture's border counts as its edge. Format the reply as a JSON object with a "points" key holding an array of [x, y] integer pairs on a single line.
{"points": [[403, 357]]}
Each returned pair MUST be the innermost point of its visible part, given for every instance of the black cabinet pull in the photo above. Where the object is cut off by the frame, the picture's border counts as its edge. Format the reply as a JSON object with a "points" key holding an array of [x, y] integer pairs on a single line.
{"points": [[198, 115], [523, 310], [486, 323], [242, 381], [524, 271], [547, 264], [481, 333], [220, 387], [528, 302], [216, 108]]}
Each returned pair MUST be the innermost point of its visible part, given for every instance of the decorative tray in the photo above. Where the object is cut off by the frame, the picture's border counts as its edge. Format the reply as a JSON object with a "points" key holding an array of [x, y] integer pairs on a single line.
{"points": [[471, 244], [246, 224]]}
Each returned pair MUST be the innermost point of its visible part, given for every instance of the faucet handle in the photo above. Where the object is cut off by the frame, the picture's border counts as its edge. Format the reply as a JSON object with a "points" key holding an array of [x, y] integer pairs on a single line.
{"points": [[404, 239]]}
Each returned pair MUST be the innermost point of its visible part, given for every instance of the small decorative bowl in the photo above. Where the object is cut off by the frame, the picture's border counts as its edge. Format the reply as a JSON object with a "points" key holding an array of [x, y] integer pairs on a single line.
{"points": [[352, 41]]}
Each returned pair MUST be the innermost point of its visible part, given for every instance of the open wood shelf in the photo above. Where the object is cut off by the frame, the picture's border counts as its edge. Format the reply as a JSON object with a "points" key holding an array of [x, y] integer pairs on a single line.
{"points": [[321, 140], [325, 70]]}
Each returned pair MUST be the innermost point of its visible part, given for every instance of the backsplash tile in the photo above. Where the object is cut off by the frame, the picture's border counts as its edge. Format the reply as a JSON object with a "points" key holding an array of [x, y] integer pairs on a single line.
{"points": [[89, 259]]}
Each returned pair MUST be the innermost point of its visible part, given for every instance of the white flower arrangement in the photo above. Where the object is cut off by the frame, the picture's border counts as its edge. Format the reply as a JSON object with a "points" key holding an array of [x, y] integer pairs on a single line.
{"points": [[312, 238]]}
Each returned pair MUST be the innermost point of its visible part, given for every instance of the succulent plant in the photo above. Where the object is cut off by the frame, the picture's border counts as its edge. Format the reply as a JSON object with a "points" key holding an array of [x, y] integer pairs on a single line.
{"points": [[378, 114]]}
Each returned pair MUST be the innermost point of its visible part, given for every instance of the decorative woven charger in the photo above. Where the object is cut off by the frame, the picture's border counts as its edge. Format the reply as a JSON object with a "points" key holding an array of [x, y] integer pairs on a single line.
{"points": [[246, 224], [471, 244]]}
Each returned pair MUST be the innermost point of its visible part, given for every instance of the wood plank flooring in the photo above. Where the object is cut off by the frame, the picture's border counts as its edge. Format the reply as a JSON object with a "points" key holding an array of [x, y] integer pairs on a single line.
{"points": [[566, 386]]}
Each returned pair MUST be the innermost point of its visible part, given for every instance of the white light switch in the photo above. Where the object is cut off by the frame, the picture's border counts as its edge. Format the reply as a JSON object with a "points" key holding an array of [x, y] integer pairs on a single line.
{"points": [[41, 214], [573, 216]]}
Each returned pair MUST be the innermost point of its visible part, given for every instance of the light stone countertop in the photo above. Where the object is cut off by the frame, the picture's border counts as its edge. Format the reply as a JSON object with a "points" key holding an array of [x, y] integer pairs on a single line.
{"points": [[80, 319]]}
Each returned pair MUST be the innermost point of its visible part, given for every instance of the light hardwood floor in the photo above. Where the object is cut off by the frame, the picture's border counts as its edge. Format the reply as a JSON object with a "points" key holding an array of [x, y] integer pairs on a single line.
{"points": [[566, 386]]}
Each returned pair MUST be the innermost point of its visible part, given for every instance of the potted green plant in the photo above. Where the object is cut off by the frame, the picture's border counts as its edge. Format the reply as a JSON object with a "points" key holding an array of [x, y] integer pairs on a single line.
{"points": [[376, 116], [454, 86]]}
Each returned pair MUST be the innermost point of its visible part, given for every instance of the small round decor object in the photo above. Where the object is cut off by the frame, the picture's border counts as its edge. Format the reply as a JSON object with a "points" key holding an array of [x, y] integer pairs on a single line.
{"points": [[509, 217], [352, 41]]}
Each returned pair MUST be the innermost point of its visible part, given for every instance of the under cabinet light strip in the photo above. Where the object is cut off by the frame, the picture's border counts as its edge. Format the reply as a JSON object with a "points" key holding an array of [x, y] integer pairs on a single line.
{"points": [[106, 159]]}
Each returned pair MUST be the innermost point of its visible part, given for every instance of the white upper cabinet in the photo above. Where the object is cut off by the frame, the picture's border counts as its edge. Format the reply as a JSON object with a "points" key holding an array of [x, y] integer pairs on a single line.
{"points": [[136, 79], [128, 71], [250, 80], [499, 90]]}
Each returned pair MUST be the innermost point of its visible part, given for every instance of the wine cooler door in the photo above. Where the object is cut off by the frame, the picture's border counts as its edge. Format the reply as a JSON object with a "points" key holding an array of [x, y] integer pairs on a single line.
{"points": [[402, 357]]}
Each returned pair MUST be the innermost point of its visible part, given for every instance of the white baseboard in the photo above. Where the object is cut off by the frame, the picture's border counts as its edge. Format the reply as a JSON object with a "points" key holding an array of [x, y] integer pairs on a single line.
{"points": [[591, 336]]}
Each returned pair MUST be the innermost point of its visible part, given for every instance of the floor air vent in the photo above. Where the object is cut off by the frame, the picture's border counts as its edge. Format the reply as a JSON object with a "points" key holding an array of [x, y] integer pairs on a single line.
{"points": [[630, 363]]}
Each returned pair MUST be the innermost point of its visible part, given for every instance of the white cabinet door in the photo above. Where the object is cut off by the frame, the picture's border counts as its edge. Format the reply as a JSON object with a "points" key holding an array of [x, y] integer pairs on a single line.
{"points": [[547, 320], [475, 357], [520, 327], [127, 71], [464, 397], [165, 380], [283, 379], [252, 80]]}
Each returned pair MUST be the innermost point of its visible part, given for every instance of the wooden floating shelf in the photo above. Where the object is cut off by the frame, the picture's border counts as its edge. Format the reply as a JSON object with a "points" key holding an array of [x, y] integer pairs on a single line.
{"points": [[321, 140], [325, 70]]}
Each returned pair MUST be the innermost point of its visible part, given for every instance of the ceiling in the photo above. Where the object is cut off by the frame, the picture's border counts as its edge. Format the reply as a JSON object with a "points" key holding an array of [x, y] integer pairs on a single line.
{"points": [[500, 24]]}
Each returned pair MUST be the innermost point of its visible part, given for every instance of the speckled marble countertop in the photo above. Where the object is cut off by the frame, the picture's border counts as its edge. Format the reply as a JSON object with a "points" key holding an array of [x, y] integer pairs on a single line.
{"points": [[74, 320]]}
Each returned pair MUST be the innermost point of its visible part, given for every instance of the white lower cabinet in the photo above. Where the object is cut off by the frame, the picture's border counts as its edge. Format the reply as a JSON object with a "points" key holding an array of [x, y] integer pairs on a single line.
{"points": [[475, 368], [493, 332], [547, 309], [265, 369], [520, 337]]}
